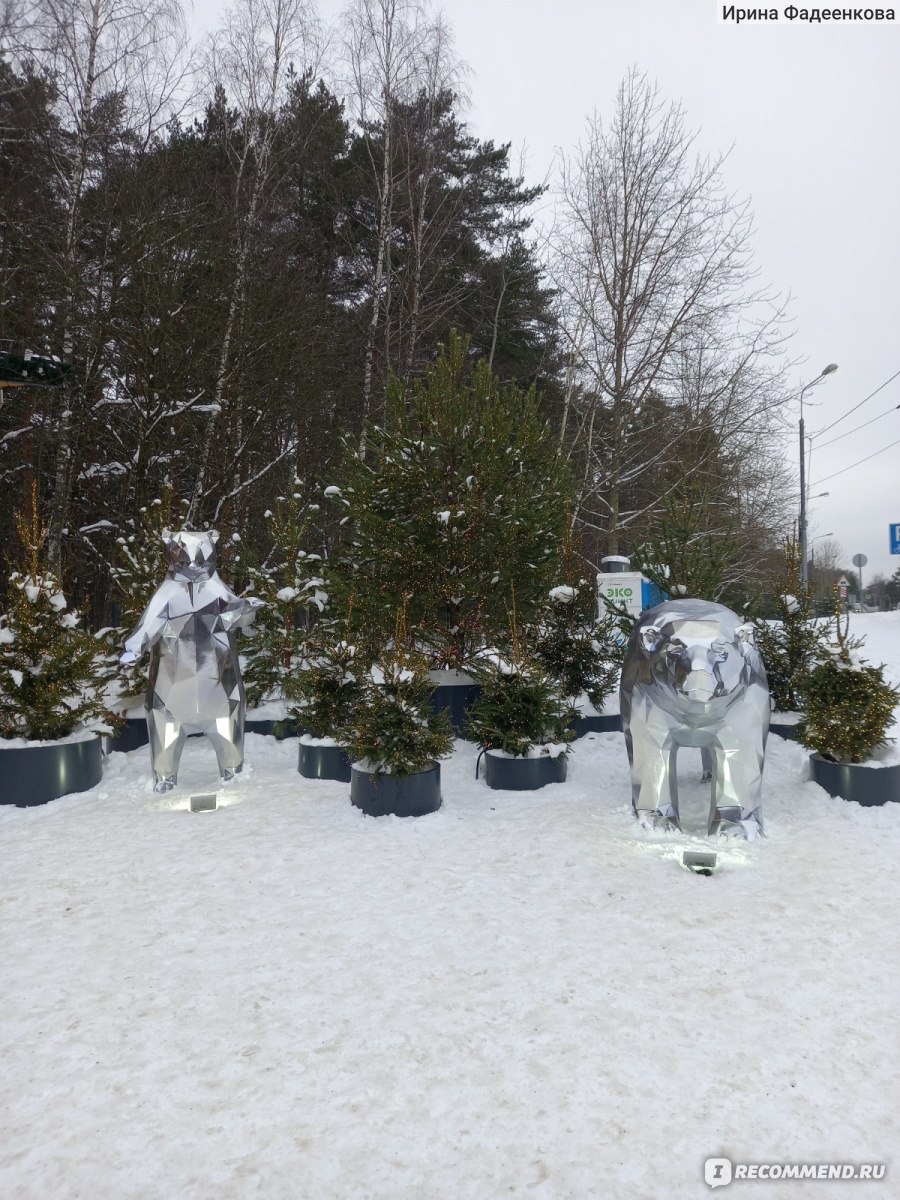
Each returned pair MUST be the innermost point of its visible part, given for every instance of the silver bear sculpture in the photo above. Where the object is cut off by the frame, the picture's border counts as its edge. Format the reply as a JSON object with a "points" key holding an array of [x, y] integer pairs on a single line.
{"points": [[194, 684], [693, 677]]}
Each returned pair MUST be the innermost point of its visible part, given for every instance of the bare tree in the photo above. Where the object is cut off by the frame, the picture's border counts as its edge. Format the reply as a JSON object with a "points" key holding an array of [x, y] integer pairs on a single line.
{"points": [[252, 59], [662, 317], [117, 71], [394, 50]]}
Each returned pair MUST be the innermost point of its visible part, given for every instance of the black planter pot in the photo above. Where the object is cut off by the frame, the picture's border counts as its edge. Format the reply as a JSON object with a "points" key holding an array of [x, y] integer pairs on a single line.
{"points": [[599, 723], [524, 774], [454, 693], [323, 762], [32, 775], [784, 729], [131, 737], [270, 729], [407, 796], [869, 786]]}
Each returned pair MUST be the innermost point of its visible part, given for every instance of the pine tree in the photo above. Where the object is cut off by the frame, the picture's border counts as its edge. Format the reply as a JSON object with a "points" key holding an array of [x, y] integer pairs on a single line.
{"points": [[792, 645], [849, 705], [459, 501], [291, 583], [52, 676]]}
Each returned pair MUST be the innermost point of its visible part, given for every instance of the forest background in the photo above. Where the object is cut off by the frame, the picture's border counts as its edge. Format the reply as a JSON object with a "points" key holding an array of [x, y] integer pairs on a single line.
{"points": [[235, 245]]}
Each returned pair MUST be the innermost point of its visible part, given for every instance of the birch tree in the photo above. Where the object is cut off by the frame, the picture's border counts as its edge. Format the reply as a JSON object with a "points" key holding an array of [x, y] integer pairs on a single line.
{"points": [[394, 51], [252, 60], [117, 72], [660, 308]]}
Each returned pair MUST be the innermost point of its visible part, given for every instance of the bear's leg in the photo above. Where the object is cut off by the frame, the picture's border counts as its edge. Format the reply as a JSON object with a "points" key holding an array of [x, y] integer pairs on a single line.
{"points": [[228, 742], [737, 785], [167, 738], [654, 783]]}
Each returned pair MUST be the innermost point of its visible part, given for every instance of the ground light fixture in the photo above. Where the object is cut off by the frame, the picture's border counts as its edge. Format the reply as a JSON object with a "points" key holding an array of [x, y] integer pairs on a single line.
{"points": [[204, 802], [701, 862]]}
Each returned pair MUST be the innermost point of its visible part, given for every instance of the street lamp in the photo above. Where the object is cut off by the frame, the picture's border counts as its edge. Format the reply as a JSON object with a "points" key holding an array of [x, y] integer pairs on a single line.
{"points": [[804, 571]]}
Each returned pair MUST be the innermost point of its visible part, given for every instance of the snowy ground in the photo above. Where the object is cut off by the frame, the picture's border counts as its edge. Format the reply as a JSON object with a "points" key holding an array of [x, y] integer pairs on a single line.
{"points": [[522, 995]]}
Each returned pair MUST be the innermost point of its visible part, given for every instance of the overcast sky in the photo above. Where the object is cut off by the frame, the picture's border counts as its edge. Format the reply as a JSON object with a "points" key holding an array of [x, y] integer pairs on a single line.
{"points": [[813, 116]]}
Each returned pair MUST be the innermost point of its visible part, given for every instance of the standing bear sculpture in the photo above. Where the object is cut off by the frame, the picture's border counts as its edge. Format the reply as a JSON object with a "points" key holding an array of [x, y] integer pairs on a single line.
{"points": [[194, 684], [692, 676]]}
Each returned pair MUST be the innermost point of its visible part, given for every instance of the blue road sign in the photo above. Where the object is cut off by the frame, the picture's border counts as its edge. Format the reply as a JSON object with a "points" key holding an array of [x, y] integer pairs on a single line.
{"points": [[895, 539]]}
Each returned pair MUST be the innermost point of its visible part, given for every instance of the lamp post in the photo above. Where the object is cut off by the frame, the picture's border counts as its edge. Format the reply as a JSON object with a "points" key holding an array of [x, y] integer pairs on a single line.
{"points": [[804, 571]]}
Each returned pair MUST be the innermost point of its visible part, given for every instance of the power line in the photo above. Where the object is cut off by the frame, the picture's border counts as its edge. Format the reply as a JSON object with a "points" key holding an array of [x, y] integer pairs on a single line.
{"points": [[856, 406], [855, 429], [856, 464]]}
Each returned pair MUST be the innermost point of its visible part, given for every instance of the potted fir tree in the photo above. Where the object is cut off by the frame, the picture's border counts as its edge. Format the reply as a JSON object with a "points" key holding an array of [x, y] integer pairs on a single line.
{"points": [[459, 498], [291, 583], [849, 709], [581, 652], [396, 738], [52, 686], [522, 722], [326, 693], [790, 646]]}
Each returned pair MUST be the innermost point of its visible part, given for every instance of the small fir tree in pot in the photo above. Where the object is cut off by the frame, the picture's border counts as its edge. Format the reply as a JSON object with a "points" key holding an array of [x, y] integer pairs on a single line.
{"points": [[291, 582], [575, 648], [849, 705], [52, 678], [326, 692], [793, 644], [395, 730], [521, 708]]}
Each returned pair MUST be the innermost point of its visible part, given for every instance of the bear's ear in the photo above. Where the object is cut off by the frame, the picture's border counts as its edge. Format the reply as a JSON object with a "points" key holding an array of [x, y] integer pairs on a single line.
{"points": [[213, 536], [651, 638], [745, 635]]}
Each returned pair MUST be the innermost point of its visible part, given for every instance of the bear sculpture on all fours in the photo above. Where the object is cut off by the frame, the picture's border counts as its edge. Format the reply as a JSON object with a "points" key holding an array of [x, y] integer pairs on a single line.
{"points": [[195, 683], [693, 677]]}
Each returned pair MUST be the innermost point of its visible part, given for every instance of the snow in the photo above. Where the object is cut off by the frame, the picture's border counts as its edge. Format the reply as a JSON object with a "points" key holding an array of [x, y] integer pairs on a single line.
{"points": [[521, 995], [78, 735], [564, 594]]}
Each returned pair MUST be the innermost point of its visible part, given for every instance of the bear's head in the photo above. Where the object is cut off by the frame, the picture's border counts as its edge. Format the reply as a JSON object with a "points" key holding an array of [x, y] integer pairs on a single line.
{"points": [[191, 556]]}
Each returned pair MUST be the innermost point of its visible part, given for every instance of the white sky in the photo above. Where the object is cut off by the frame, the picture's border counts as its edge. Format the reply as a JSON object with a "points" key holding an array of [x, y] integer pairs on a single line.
{"points": [[812, 115]]}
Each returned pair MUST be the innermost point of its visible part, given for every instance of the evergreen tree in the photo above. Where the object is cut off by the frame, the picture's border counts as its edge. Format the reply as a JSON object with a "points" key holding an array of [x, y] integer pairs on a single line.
{"points": [[792, 644], [574, 647], [139, 567], [326, 693], [395, 730], [51, 677], [291, 584], [849, 705], [458, 505], [520, 707]]}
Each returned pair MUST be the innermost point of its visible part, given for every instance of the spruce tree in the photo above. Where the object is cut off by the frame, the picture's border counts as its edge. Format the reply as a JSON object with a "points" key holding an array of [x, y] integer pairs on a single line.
{"points": [[792, 644], [849, 705], [520, 706], [291, 583], [326, 693], [53, 675], [459, 501], [395, 729], [579, 651]]}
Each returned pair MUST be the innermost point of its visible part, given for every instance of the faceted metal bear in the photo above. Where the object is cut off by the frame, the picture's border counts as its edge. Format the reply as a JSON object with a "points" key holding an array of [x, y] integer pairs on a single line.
{"points": [[693, 677], [195, 678]]}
